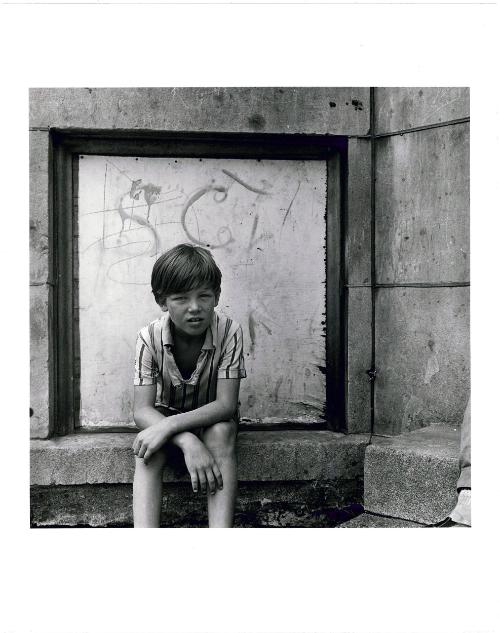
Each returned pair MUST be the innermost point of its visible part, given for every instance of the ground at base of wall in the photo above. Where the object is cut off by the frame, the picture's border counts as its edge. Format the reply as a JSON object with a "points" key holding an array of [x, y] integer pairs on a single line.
{"points": [[260, 504], [369, 520]]}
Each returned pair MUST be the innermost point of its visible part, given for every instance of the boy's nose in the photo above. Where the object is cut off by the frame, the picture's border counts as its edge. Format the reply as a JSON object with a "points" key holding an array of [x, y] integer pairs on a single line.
{"points": [[193, 306]]}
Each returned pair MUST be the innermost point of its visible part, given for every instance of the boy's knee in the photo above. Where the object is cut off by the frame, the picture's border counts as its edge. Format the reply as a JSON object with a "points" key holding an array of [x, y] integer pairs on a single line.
{"points": [[220, 438], [155, 463]]}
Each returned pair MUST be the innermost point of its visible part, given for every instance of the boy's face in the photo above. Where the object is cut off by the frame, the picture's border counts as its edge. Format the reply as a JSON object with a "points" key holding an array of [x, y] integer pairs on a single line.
{"points": [[191, 311]]}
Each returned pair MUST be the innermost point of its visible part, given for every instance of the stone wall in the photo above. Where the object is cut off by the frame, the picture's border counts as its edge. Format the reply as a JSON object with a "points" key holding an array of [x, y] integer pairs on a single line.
{"points": [[269, 110], [334, 111], [422, 230], [40, 284], [422, 258], [286, 479]]}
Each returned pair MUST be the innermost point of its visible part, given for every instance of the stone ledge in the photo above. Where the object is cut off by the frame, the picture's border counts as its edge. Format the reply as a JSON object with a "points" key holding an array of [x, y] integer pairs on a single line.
{"points": [[413, 476], [106, 458]]}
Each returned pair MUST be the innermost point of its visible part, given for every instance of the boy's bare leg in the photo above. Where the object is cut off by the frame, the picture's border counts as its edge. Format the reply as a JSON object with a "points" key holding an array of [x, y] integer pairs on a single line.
{"points": [[148, 490], [220, 439]]}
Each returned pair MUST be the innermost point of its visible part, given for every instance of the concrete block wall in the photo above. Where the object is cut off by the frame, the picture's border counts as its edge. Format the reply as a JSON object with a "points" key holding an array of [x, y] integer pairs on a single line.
{"points": [[287, 479], [40, 283], [334, 111], [422, 257], [270, 110], [358, 279], [421, 202]]}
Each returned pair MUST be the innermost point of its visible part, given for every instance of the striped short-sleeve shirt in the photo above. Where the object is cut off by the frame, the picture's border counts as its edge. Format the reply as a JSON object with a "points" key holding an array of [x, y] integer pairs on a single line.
{"points": [[221, 357]]}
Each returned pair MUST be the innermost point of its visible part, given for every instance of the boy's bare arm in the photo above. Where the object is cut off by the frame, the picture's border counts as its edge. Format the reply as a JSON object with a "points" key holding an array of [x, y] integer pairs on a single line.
{"points": [[157, 429], [223, 408], [201, 465], [146, 415]]}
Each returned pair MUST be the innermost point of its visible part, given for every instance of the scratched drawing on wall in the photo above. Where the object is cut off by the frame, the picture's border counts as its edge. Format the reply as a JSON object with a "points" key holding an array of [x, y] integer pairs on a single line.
{"points": [[264, 223]]}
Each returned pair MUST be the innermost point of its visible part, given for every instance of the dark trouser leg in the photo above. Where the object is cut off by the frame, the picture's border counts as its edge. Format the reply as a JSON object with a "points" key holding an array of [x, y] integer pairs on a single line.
{"points": [[461, 514], [465, 465]]}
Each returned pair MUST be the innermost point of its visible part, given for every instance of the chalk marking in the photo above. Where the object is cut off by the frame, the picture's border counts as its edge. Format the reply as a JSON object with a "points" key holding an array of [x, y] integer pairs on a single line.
{"points": [[290, 205], [244, 184], [191, 200]]}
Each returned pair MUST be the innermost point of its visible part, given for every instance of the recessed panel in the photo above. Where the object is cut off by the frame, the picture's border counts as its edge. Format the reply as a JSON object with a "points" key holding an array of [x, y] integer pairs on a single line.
{"points": [[263, 221]]}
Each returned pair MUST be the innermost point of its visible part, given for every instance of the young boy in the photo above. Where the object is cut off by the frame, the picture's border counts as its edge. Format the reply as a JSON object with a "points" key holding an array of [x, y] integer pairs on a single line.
{"points": [[187, 375]]}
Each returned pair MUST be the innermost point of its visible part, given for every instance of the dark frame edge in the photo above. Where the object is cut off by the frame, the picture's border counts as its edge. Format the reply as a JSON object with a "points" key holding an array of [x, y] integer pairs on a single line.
{"points": [[199, 144], [68, 143], [52, 304], [335, 294], [62, 300], [75, 294]]}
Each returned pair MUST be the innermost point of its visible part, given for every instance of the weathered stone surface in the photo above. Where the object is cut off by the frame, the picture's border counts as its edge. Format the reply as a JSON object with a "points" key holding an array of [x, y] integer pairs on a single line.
{"points": [[422, 356], [358, 359], [367, 520], [273, 110], [39, 361], [422, 193], [39, 207], [262, 456], [358, 220], [262, 504], [404, 108], [413, 476]]}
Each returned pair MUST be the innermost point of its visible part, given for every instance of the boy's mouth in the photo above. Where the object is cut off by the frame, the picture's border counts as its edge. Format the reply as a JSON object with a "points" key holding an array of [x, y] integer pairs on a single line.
{"points": [[195, 320]]}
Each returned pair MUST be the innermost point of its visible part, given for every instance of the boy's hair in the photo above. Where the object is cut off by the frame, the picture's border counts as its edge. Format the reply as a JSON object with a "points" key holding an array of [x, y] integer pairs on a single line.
{"points": [[184, 268]]}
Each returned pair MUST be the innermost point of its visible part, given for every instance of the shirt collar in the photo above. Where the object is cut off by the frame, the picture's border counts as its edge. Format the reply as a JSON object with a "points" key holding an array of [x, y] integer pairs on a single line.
{"points": [[210, 336]]}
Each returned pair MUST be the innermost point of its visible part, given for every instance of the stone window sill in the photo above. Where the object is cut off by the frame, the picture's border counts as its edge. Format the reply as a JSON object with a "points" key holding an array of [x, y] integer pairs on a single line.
{"points": [[106, 458]]}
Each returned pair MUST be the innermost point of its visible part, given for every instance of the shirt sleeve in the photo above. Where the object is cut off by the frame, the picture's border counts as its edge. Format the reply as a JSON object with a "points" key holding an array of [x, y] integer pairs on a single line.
{"points": [[232, 363], [146, 367]]}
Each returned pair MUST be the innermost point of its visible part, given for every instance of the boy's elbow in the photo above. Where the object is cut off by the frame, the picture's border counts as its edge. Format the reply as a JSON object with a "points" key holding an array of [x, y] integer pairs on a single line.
{"points": [[136, 417], [139, 415]]}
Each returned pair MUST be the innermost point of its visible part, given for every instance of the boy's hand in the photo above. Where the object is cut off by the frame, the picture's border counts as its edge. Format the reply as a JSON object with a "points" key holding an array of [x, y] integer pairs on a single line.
{"points": [[149, 440], [202, 467]]}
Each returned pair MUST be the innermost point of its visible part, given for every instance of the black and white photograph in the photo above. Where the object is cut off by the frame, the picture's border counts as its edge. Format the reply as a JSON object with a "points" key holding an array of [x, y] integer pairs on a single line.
{"points": [[254, 288], [249, 281]]}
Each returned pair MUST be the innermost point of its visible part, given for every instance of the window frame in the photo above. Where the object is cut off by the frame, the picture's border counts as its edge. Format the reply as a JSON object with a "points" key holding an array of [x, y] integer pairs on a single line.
{"points": [[67, 145]]}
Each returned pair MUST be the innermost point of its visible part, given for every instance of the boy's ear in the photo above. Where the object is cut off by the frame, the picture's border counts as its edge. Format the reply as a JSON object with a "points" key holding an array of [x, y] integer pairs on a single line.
{"points": [[217, 295], [164, 308]]}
